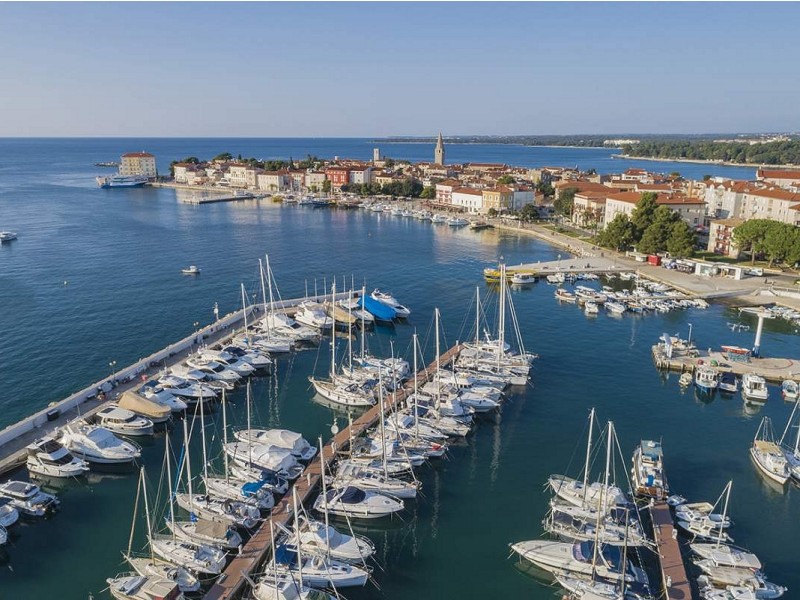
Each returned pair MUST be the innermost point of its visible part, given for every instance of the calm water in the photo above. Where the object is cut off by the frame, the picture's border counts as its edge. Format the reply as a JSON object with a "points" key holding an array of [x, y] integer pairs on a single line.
{"points": [[120, 253]]}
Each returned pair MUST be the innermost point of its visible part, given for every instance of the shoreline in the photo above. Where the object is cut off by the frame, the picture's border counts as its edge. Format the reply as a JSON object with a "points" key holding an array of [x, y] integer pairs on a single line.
{"points": [[698, 161]]}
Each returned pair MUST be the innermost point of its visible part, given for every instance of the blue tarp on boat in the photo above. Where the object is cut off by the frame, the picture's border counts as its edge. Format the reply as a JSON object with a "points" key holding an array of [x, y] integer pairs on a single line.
{"points": [[379, 310]]}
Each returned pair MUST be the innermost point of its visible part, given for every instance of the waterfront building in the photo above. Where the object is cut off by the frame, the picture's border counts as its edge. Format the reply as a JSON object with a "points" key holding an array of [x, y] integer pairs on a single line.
{"points": [[243, 176], [338, 176], [500, 198], [771, 203], [582, 186], [781, 177], [589, 209], [720, 237], [470, 199], [691, 210], [141, 164], [438, 153], [444, 191], [274, 181], [313, 180], [361, 174], [523, 196]]}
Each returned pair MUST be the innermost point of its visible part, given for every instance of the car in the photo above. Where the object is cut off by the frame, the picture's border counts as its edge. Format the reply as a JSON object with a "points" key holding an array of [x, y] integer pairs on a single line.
{"points": [[756, 272]]}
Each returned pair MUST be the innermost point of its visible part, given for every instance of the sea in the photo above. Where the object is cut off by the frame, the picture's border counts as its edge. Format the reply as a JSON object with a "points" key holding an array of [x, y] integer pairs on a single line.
{"points": [[95, 278]]}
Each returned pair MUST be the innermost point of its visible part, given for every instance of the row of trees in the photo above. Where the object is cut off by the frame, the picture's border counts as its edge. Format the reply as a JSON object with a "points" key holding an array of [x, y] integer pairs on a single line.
{"points": [[651, 229], [778, 242], [407, 187], [773, 153]]}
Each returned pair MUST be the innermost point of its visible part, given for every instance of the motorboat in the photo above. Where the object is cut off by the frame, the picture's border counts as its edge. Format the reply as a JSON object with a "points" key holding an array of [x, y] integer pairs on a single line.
{"points": [[437, 218], [280, 323], [265, 456], [565, 296], [726, 555], [283, 438], [235, 362], [188, 390], [191, 270], [313, 314], [390, 301], [726, 583], [699, 520], [155, 410], [50, 458], [156, 393], [362, 316], [728, 384], [96, 444], [132, 586], [592, 495], [247, 472], [8, 513], [647, 473], [754, 388], [685, 380], [323, 540], [457, 222], [7, 236], [204, 532], [123, 422], [270, 342], [317, 571], [187, 583], [790, 390], [373, 479], [591, 308], [614, 307], [556, 278], [197, 558], [286, 587], [214, 369], [380, 311], [523, 278], [27, 498], [253, 493], [202, 377], [706, 379], [355, 503], [767, 455], [407, 424]]}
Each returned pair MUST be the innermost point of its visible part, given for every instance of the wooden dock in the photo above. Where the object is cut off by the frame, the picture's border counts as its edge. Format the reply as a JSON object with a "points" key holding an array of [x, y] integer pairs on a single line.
{"points": [[774, 370], [674, 580], [232, 583]]}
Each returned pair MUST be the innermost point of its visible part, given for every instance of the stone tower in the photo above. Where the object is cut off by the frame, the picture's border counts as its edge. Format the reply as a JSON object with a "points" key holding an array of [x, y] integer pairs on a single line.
{"points": [[376, 155], [438, 154]]}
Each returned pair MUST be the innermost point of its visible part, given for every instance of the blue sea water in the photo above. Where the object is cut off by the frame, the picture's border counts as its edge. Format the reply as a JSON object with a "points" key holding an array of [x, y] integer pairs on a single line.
{"points": [[95, 277]]}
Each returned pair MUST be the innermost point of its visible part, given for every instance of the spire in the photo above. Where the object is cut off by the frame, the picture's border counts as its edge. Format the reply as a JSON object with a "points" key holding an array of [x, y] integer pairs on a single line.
{"points": [[438, 153]]}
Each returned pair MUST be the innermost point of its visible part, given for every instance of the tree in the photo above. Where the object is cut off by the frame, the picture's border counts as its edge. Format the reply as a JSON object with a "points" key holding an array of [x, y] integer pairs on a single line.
{"points": [[781, 243], [656, 235], [529, 212], [326, 185], [224, 157], [681, 240], [706, 177], [644, 213], [565, 201], [545, 189], [619, 234], [428, 193], [505, 180], [751, 236], [388, 163], [492, 212]]}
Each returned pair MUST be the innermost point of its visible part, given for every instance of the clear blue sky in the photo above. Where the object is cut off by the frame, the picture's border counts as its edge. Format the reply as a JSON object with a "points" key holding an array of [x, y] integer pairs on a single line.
{"points": [[361, 69]]}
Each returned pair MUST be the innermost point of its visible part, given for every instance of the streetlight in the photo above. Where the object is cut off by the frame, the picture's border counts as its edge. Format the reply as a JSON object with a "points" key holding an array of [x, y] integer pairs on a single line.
{"points": [[113, 365], [195, 325], [216, 312]]}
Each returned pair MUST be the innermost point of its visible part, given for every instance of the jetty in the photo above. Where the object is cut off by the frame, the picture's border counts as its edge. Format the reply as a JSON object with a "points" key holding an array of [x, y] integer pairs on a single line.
{"points": [[232, 583], [774, 370], [673, 572]]}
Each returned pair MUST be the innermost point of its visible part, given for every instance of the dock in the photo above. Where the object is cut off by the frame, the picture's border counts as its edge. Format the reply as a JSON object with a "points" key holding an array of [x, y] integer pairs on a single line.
{"points": [[233, 581], [674, 580], [774, 370]]}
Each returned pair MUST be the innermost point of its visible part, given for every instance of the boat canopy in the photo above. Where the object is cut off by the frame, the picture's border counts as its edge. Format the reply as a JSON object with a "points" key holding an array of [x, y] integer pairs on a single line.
{"points": [[141, 405]]}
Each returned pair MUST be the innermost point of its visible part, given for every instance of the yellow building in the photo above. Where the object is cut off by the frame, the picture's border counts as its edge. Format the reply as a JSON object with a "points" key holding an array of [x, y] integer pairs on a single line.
{"points": [[500, 198], [142, 164]]}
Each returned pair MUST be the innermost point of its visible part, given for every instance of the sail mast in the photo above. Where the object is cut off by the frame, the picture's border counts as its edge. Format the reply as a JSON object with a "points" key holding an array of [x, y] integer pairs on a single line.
{"points": [[224, 434], [244, 316], [188, 464], [588, 457]]}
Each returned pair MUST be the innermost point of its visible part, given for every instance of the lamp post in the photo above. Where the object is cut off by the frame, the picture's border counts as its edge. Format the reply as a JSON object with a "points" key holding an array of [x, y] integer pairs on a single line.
{"points": [[216, 311], [113, 366], [195, 325]]}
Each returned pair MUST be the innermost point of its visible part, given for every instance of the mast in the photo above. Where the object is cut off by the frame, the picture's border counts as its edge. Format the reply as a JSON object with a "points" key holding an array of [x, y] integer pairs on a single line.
{"points": [[225, 435], [169, 485], [416, 405], [477, 316], [382, 427], [588, 456], [269, 284], [146, 505], [188, 464], [438, 352], [501, 327], [203, 440], [333, 339], [133, 520], [297, 537], [244, 316], [325, 495], [724, 512], [263, 293], [363, 325], [249, 439]]}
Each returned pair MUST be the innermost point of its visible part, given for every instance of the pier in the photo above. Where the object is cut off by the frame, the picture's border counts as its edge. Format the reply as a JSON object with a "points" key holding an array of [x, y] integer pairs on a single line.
{"points": [[255, 552], [775, 370], [673, 572]]}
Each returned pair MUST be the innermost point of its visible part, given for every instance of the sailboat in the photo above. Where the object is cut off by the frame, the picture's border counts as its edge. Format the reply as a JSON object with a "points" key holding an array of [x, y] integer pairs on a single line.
{"points": [[277, 322], [791, 453], [767, 455], [700, 520]]}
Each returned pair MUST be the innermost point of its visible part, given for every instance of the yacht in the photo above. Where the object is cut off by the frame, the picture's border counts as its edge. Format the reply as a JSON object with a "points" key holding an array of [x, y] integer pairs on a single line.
{"points": [[50, 458], [220, 510], [8, 514], [191, 270], [457, 222], [198, 558], [204, 532], [373, 479], [189, 391], [132, 586], [317, 571], [390, 301], [754, 388], [728, 384], [790, 390], [437, 218], [283, 438], [356, 503], [156, 393], [187, 583], [123, 422], [706, 379], [265, 456], [323, 540], [523, 278], [286, 587], [251, 493], [313, 314], [213, 369], [574, 492], [647, 473], [251, 356], [615, 308], [725, 555], [767, 455], [27, 498], [575, 524], [7, 236], [351, 395], [228, 360], [281, 323], [96, 444]]}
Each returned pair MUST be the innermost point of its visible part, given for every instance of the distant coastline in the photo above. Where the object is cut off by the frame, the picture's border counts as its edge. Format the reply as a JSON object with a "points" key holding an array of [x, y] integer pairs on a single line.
{"points": [[698, 161]]}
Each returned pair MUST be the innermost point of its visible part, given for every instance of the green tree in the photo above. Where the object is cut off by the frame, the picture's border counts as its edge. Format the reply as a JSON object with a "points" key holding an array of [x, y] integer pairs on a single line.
{"points": [[505, 180], [225, 157], [545, 189], [529, 212], [751, 235], [780, 243], [492, 212], [656, 235], [645, 213], [326, 185], [619, 234], [389, 163], [565, 201], [428, 193], [681, 240]]}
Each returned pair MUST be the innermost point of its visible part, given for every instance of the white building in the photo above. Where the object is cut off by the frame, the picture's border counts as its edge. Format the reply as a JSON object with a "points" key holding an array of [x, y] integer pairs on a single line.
{"points": [[691, 210], [360, 175], [243, 176], [142, 164], [273, 181], [313, 180], [469, 199]]}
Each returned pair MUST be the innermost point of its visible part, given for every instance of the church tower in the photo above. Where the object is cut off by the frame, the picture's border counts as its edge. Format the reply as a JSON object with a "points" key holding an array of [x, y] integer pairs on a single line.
{"points": [[438, 154]]}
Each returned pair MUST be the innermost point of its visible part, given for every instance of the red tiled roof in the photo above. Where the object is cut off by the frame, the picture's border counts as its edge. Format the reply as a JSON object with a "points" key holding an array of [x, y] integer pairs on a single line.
{"points": [[137, 155], [778, 174]]}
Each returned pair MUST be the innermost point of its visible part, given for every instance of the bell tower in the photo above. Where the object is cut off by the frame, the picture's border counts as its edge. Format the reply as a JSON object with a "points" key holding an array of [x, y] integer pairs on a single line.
{"points": [[438, 153]]}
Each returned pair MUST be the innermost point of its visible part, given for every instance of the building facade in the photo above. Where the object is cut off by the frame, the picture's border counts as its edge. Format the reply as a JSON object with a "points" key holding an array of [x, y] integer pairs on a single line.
{"points": [[138, 164]]}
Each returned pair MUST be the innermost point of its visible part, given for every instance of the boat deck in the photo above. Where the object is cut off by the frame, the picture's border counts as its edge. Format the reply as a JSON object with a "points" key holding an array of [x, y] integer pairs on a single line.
{"points": [[673, 572], [231, 584]]}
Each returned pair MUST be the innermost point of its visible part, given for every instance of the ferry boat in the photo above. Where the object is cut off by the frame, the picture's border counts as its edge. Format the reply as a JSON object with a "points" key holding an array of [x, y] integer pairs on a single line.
{"points": [[121, 181], [647, 472]]}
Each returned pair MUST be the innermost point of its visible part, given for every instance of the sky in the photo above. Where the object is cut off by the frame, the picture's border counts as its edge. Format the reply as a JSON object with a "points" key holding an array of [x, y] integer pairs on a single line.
{"points": [[381, 69]]}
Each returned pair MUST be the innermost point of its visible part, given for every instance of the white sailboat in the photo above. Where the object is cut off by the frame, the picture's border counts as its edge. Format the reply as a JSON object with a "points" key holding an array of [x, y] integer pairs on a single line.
{"points": [[767, 455]]}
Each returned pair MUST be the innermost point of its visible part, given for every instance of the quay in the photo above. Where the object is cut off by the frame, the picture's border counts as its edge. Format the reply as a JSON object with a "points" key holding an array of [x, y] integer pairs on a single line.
{"points": [[207, 195], [232, 583], [674, 580], [89, 400], [774, 370]]}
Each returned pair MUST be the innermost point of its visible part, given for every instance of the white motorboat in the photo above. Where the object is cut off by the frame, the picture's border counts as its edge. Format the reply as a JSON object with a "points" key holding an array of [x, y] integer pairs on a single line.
{"points": [[253, 493], [523, 278], [162, 396], [8, 513], [7, 236], [313, 315], [271, 342], [565, 296], [248, 354], [685, 380], [390, 301], [205, 532], [280, 323], [591, 495], [699, 520], [647, 472], [148, 567], [725, 555], [140, 406], [213, 369], [405, 423], [202, 377], [437, 218], [591, 308], [96, 444], [227, 360], [123, 422], [50, 458], [754, 388], [132, 586], [614, 307], [457, 222], [27, 498], [286, 587], [265, 456], [191, 270], [374, 479], [727, 583], [356, 503], [706, 378], [190, 391], [790, 390], [197, 558], [317, 571], [283, 438], [767, 455], [323, 540], [728, 384]]}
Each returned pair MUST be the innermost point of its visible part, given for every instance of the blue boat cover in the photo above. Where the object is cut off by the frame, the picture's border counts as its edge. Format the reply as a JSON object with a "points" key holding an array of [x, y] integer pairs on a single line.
{"points": [[378, 309]]}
